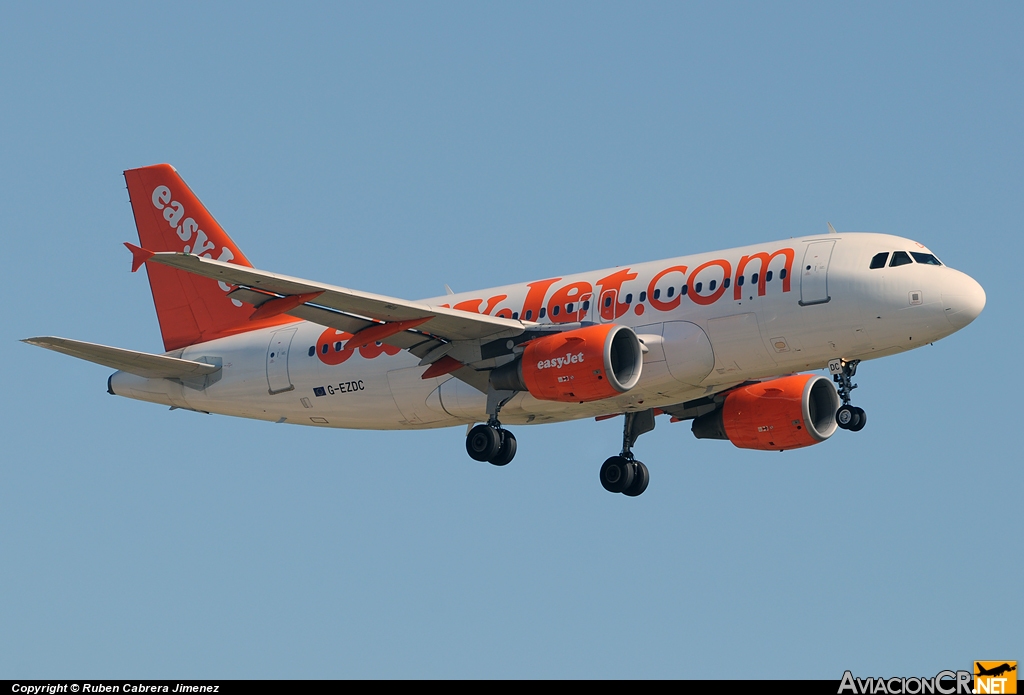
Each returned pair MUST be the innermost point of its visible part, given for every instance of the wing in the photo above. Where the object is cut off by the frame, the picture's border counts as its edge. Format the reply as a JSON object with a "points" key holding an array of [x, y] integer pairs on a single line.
{"points": [[358, 310], [141, 363], [459, 342]]}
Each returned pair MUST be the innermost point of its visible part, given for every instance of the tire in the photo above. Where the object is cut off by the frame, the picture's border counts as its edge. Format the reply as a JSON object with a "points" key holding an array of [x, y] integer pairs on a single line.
{"points": [[846, 417], [862, 419], [507, 451], [641, 478], [616, 474], [483, 443]]}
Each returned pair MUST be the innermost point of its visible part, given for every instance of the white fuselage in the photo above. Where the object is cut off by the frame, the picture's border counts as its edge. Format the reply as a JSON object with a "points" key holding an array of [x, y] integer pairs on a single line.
{"points": [[827, 304]]}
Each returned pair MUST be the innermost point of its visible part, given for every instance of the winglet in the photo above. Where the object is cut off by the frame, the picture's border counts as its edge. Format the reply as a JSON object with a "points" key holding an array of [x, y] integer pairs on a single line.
{"points": [[831, 229], [139, 255]]}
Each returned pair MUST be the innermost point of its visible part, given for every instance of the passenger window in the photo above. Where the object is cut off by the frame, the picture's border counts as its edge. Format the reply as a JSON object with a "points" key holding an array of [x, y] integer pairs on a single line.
{"points": [[568, 308], [515, 315], [711, 285], [657, 293], [739, 280], [312, 350], [586, 305], [629, 298], [899, 258], [696, 288], [671, 291], [879, 259], [768, 276], [607, 301], [543, 311], [725, 283], [782, 274], [643, 296], [753, 279], [325, 348], [337, 346], [554, 310], [925, 258], [529, 315], [684, 290]]}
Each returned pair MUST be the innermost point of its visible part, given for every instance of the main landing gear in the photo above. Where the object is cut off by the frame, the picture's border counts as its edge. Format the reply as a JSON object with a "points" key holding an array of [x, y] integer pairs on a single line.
{"points": [[490, 442], [623, 473], [848, 417]]}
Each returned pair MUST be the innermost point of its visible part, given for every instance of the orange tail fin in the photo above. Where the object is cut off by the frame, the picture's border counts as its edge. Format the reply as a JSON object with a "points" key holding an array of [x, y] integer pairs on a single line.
{"points": [[169, 217]]}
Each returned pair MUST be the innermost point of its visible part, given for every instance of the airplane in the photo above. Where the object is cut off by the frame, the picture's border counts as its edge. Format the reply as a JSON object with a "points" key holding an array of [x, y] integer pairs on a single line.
{"points": [[719, 339], [995, 671]]}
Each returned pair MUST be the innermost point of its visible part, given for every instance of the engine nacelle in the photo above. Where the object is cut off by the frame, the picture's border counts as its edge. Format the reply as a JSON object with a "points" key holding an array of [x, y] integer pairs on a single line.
{"points": [[787, 413], [587, 364]]}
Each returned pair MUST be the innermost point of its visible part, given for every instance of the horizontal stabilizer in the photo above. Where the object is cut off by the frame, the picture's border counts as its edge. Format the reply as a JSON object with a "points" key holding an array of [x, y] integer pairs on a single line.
{"points": [[141, 363]]}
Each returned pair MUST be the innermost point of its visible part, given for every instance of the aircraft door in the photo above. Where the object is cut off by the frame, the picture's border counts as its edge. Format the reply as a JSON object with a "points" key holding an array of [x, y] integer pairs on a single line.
{"points": [[278, 380], [585, 307], [814, 273], [606, 306]]}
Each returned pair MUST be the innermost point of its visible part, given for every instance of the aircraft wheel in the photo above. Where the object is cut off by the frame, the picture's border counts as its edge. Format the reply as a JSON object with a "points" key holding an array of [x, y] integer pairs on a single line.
{"points": [[483, 443], [846, 417], [617, 474], [507, 451], [641, 477], [862, 419]]}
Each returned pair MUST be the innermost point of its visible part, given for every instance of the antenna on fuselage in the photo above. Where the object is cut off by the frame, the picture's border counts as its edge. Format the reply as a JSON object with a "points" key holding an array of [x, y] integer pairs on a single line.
{"points": [[831, 229]]}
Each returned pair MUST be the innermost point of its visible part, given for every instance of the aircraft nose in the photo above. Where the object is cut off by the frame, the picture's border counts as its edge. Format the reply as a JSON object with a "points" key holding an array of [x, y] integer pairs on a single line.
{"points": [[962, 299]]}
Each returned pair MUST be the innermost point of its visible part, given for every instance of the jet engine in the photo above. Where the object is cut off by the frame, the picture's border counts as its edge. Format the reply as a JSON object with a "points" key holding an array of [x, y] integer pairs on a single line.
{"points": [[787, 413], [586, 364]]}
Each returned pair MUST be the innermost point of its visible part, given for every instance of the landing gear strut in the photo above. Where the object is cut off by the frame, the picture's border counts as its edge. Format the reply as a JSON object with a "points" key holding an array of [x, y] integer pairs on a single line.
{"points": [[848, 417], [623, 473], [490, 442]]}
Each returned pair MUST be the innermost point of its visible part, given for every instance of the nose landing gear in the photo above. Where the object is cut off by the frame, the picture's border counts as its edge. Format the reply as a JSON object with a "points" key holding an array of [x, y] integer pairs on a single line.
{"points": [[848, 417], [623, 473]]}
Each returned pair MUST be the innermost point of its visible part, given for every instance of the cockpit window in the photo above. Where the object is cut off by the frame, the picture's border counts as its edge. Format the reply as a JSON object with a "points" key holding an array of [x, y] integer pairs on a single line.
{"points": [[879, 259], [899, 258], [925, 258]]}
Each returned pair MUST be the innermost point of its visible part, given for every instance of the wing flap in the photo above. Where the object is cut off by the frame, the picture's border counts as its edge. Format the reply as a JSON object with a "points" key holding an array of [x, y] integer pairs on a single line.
{"points": [[307, 312], [143, 364]]}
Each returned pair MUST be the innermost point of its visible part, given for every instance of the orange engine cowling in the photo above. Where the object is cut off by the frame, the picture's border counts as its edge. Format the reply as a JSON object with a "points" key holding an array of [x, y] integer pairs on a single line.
{"points": [[787, 413], [586, 364]]}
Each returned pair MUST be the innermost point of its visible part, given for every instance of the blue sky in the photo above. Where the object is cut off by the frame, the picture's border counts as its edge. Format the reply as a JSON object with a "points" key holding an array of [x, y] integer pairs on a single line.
{"points": [[398, 147]]}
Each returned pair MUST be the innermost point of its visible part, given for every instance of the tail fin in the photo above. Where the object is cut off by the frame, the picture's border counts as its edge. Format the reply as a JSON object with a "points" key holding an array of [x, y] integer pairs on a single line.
{"points": [[169, 217]]}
